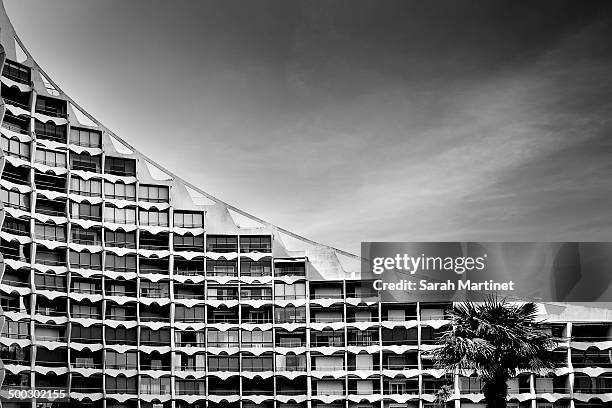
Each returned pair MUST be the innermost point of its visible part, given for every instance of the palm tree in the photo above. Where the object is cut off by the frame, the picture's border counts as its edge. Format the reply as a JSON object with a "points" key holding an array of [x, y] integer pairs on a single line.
{"points": [[497, 339]]}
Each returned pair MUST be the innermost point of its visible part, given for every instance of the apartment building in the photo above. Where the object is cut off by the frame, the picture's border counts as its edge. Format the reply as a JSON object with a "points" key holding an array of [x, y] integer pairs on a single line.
{"points": [[128, 287]]}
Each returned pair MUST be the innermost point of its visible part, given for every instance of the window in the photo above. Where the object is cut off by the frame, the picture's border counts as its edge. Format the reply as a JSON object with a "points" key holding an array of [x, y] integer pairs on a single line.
{"points": [[50, 232], [16, 72], [118, 263], [121, 239], [263, 267], [154, 218], [85, 137], [257, 364], [84, 236], [155, 337], [85, 260], [54, 283], [121, 361], [154, 194], [255, 244], [119, 166], [256, 338], [85, 162], [154, 289], [16, 330], [188, 219], [51, 106], [51, 158], [86, 286], [221, 243], [190, 314], [223, 363], [86, 211], [284, 291], [50, 130], [120, 191], [121, 384], [85, 310], [15, 199], [227, 338], [82, 187], [156, 386], [120, 335], [13, 147], [221, 267], [120, 215], [188, 243], [256, 293], [16, 226], [290, 314]]}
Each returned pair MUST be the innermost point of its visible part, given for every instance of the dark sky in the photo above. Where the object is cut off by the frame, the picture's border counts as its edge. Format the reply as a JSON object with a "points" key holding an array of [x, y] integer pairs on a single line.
{"points": [[357, 120]]}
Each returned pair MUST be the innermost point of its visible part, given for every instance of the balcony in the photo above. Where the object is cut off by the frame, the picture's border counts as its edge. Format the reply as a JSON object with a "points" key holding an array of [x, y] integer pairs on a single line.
{"points": [[16, 72], [51, 107], [192, 267], [221, 243]]}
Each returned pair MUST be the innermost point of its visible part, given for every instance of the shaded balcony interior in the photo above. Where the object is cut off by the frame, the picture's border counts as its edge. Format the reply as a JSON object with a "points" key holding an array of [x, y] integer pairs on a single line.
{"points": [[16, 278], [221, 267], [154, 242], [155, 313], [194, 338], [50, 332], [120, 238], [289, 267], [189, 290], [13, 302], [398, 312], [327, 338], [86, 358], [86, 236], [119, 166], [85, 334], [221, 243], [16, 226], [86, 162], [17, 124], [400, 336], [290, 339], [54, 208], [16, 72], [50, 182], [15, 250], [86, 384], [51, 106], [592, 332], [154, 338], [50, 131], [189, 267], [405, 361], [326, 290], [252, 315], [16, 174], [121, 311], [193, 314], [155, 361], [121, 335], [159, 289], [52, 257], [14, 96], [222, 314], [154, 265], [120, 287]]}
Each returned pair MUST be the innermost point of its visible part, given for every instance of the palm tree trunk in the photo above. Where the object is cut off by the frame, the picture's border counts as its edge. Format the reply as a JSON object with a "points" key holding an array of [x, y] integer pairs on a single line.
{"points": [[495, 391]]}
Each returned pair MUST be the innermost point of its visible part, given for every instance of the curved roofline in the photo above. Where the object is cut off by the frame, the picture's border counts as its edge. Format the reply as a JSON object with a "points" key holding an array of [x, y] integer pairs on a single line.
{"points": [[159, 166]]}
